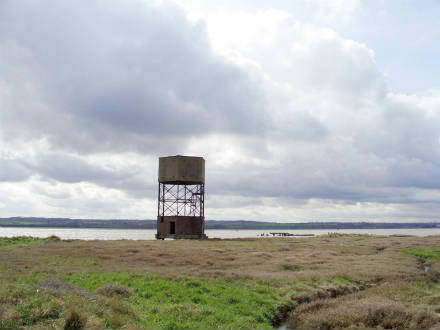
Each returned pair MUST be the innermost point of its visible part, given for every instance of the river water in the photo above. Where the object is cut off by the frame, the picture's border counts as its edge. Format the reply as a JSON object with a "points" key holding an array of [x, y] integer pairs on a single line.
{"points": [[148, 234]]}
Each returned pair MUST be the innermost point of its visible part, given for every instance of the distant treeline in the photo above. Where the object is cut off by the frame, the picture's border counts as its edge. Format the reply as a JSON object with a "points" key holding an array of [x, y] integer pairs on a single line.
{"points": [[210, 224]]}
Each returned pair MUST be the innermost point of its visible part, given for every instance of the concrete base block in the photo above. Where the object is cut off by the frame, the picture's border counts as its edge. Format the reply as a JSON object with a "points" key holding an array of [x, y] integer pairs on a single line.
{"points": [[182, 236]]}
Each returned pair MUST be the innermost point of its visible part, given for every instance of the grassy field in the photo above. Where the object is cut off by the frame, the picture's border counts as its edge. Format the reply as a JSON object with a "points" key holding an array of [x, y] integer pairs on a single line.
{"points": [[326, 282]]}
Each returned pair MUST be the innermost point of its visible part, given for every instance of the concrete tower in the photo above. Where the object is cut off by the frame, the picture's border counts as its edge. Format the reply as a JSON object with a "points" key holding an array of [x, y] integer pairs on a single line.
{"points": [[181, 200]]}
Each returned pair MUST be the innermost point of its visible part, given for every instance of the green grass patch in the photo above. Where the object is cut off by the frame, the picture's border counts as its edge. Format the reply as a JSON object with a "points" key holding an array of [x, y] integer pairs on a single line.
{"points": [[193, 303], [12, 242], [160, 302], [423, 253], [18, 241]]}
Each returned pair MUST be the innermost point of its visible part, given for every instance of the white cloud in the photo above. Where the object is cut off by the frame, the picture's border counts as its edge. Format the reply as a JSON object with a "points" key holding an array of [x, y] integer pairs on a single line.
{"points": [[332, 11]]}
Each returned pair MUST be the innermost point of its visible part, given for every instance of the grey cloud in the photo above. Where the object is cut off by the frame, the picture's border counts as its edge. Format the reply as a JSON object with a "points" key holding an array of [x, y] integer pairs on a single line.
{"points": [[351, 168], [73, 169], [401, 130], [405, 142], [110, 75], [301, 126], [12, 170]]}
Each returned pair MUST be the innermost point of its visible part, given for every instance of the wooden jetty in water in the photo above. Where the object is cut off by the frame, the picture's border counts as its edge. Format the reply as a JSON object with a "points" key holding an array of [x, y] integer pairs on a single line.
{"points": [[289, 234]]}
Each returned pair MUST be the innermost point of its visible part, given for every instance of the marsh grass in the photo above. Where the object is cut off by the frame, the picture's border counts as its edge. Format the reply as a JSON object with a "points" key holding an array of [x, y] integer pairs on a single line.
{"points": [[115, 300], [248, 283], [400, 304], [353, 312]]}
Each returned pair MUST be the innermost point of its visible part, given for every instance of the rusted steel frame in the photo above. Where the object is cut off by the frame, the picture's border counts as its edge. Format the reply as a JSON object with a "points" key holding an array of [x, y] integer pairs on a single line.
{"points": [[184, 209], [170, 191], [168, 209], [163, 199], [158, 201], [163, 191], [202, 200], [175, 201], [167, 191]]}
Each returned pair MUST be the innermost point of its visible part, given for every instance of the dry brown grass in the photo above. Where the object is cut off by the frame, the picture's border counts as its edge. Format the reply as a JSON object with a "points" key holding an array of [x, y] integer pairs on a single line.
{"points": [[358, 312], [292, 258]]}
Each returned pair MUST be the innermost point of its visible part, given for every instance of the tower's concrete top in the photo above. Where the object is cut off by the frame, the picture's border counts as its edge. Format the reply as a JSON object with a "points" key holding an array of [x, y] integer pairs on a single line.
{"points": [[182, 169]]}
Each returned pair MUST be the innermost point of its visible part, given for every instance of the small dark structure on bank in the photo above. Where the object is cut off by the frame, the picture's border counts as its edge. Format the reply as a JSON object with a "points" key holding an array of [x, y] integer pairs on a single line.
{"points": [[181, 200]]}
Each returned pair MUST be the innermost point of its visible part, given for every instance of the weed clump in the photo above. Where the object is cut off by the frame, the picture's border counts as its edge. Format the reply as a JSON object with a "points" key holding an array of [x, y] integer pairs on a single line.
{"points": [[293, 268], [75, 320], [111, 290]]}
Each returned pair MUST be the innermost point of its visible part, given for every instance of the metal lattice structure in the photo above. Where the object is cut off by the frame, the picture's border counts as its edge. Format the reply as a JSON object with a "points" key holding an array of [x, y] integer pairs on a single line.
{"points": [[181, 200]]}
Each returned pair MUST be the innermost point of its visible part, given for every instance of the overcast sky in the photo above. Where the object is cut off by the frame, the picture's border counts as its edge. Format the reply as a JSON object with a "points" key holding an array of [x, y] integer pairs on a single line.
{"points": [[308, 110]]}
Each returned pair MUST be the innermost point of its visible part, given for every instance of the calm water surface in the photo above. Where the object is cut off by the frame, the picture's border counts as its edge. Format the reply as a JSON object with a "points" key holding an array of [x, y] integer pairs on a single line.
{"points": [[148, 234]]}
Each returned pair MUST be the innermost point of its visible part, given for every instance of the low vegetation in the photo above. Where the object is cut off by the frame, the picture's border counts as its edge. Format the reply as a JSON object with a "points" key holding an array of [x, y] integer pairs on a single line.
{"points": [[17, 241], [360, 312], [326, 282], [424, 253]]}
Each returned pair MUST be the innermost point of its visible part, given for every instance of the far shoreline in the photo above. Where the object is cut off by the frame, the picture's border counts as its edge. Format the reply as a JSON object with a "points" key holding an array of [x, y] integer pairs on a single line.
{"points": [[41, 222]]}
